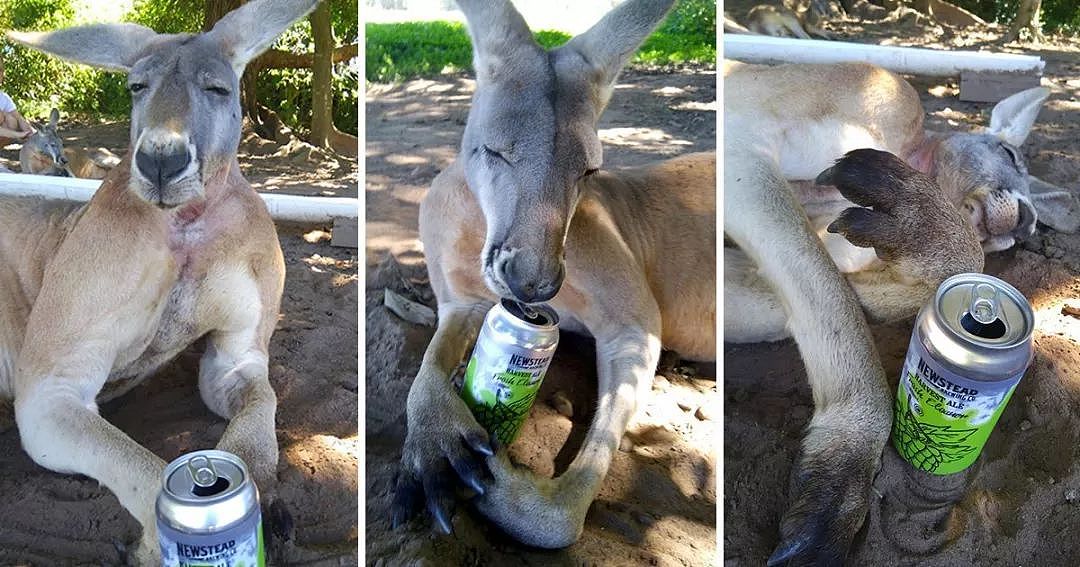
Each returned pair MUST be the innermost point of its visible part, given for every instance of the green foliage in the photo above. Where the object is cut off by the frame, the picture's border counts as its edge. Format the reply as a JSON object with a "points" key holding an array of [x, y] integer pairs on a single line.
{"points": [[397, 52], [39, 82], [1057, 16], [168, 16]]}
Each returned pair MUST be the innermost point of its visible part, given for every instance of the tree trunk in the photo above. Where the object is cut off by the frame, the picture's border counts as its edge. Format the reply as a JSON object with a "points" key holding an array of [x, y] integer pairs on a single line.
{"points": [[216, 9], [322, 87], [1027, 18]]}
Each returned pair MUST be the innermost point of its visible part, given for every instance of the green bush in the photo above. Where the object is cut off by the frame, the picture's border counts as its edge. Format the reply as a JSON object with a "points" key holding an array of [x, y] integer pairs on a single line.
{"points": [[1057, 16], [39, 82], [397, 52]]}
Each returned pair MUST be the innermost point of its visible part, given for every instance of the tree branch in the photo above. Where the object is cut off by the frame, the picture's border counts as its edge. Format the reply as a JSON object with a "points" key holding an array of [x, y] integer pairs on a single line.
{"points": [[277, 59]]}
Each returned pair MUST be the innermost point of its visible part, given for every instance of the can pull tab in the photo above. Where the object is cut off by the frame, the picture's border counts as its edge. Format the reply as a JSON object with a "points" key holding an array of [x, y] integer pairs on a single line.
{"points": [[983, 317], [205, 477]]}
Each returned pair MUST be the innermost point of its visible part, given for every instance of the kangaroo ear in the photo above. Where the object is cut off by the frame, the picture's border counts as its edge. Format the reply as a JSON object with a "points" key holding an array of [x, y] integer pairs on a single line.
{"points": [[252, 28], [108, 46], [1012, 118], [498, 33], [1057, 207], [54, 117], [610, 43]]}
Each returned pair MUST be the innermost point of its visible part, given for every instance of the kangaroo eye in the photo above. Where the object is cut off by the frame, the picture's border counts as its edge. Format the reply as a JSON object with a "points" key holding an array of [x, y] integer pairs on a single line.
{"points": [[220, 91], [136, 87]]}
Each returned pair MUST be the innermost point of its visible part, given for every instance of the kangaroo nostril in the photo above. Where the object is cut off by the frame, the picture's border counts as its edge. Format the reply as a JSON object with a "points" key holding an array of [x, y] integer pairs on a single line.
{"points": [[162, 168], [1027, 217]]}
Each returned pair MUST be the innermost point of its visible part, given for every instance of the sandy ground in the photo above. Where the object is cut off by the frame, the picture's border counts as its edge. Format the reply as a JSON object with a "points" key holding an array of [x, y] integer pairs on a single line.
{"points": [[657, 505], [1019, 504], [54, 519]]}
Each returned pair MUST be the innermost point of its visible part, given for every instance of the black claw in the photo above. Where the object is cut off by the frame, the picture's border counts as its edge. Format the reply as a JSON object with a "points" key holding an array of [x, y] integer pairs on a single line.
{"points": [[281, 521], [478, 442], [440, 501], [827, 177], [873, 178], [469, 470], [406, 500], [786, 551]]}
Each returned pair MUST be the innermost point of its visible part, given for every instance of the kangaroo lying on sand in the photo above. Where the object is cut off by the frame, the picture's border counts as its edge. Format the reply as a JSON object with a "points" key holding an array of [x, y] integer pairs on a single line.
{"points": [[799, 270], [43, 153], [525, 212], [174, 246]]}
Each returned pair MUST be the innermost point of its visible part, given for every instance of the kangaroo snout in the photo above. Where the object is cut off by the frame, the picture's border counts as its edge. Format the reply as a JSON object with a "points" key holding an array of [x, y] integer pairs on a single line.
{"points": [[530, 276], [163, 167], [161, 164]]}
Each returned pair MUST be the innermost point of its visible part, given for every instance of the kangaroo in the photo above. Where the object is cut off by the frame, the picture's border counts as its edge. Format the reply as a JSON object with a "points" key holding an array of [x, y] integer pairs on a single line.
{"points": [[525, 212], [175, 246], [819, 249], [788, 19], [44, 153]]}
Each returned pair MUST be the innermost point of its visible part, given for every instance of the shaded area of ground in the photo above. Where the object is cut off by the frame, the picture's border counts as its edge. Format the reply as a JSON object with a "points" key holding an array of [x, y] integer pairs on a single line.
{"points": [[1019, 504], [658, 504]]}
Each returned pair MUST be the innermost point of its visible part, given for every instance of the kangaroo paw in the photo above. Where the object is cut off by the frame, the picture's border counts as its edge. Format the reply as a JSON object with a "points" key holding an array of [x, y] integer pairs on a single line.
{"points": [[435, 459], [830, 500], [903, 216]]}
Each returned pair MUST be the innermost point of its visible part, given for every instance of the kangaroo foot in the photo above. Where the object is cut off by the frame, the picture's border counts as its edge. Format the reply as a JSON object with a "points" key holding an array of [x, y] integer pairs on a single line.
{"points": [[904, 216], [829, 503]]}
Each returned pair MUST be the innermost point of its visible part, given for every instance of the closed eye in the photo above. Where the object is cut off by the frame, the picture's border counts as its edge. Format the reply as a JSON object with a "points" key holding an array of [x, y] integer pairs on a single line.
{"points": [[218, 90], [495, 154]]}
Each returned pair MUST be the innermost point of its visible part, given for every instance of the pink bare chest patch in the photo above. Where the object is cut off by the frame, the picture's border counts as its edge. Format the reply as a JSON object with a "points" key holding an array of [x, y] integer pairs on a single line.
{"points": [[191, 232]]}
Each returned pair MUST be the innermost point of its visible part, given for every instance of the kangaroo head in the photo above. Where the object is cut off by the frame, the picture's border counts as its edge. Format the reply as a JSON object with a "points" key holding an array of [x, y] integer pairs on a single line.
{"points": [[531, 134], [185, 115], [986, 174], [47, 144]]}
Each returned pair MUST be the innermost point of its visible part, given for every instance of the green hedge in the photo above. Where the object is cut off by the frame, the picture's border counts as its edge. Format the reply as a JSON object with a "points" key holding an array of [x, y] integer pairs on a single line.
{"points": [[1058, 16], [38, 82], [397, 52]]}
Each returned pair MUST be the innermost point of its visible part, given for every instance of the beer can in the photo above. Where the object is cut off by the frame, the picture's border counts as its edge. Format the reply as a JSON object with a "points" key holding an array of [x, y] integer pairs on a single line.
{"points": [[970, 347], [208, 513], [508, 363]]}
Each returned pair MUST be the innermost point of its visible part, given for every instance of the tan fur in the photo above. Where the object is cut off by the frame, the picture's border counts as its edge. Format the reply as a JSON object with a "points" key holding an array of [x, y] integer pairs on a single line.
{"points": [[95, 298], [784, 126], [511, 217]]}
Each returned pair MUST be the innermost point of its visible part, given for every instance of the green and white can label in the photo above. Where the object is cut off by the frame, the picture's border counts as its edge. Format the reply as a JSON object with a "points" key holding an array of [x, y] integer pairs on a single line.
{"points": [[238, 546], [942, 419], [500, 387]]}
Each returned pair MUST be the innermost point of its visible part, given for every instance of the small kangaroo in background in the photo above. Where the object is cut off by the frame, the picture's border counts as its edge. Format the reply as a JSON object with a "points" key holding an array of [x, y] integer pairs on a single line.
{"points": [[175, 246], [821, 247], [43, 153], [525, 212]]}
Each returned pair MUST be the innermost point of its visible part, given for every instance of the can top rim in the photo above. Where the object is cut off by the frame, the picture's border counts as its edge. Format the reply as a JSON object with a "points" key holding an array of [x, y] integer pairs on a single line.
{"points": [[1008, 293], [177, 482], [515, 309]]}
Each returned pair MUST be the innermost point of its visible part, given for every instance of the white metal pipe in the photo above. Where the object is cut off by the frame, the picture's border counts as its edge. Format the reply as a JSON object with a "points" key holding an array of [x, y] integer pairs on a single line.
{"points": [[912, 60], [296, 208]]}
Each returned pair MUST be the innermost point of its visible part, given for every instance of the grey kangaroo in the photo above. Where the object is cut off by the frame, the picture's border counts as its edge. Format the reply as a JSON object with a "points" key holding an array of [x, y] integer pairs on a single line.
{"points": [[526, 212], [818, 250]]}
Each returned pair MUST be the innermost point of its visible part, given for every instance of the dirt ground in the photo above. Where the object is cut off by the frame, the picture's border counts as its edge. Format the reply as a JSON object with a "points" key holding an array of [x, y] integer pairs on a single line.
{"points": [[658, 504], [54, 519], [1019, 504]]}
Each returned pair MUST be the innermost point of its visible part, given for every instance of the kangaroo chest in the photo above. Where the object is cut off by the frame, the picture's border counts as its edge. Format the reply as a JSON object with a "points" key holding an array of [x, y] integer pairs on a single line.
{"points": [[178, 318]]}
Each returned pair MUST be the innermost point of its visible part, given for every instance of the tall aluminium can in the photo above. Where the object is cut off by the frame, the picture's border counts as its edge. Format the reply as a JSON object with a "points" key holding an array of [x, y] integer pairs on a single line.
{"points": [[970, 347], [208, 513], [508, 363]]}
